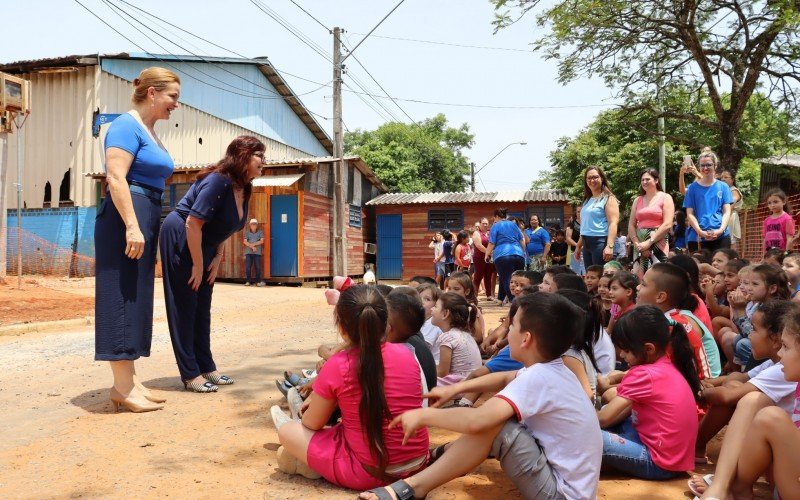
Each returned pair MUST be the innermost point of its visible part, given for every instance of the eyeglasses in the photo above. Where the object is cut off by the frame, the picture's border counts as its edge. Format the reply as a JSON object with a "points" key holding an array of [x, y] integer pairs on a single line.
{"points": [[706, 165], [647, 179], [593, 178], [260, 154]]}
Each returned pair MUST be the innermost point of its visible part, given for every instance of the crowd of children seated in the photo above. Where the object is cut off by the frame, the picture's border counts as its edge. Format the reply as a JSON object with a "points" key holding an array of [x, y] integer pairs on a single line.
{"points": [[623, 368]]}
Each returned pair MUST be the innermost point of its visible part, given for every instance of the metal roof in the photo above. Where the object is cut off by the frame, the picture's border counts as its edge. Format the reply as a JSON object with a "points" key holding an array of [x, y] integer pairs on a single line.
{"points": [[784, 160], [276, 180], [58, 64], [355, 160], [538, 195]]}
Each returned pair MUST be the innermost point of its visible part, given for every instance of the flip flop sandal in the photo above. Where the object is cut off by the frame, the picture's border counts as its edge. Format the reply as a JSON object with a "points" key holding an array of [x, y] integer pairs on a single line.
{"points": [[308, 373], [400, 488], [707, 479], [283, 386], [293, 378], [436, 453]]}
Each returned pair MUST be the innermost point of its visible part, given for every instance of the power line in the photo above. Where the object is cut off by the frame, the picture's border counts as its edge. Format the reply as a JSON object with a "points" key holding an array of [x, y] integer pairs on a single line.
{"points": [[310, 15], [373, 29], [383, 89], [450, 44]]}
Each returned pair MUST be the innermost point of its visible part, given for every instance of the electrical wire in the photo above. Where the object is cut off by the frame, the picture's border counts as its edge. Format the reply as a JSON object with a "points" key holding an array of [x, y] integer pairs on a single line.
{"points": [[373, 29], [311, 15], [450, 44]]}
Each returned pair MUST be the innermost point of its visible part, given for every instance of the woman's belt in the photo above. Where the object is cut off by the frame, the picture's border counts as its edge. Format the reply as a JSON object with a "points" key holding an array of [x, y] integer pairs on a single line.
{"points": [[152, 193]]}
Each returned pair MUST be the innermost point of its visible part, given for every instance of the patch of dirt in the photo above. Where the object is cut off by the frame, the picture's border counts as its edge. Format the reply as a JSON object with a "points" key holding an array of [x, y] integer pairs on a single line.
{"points": [[38, 300], [60, 437]]}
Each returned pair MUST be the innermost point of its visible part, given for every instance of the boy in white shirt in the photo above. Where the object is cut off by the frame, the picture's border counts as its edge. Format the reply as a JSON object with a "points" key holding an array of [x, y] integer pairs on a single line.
{"points": [[540, 425]]}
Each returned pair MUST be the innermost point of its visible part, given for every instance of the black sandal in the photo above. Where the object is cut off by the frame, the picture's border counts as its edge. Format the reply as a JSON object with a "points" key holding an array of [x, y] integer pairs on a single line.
{"points": [[401, 489]]}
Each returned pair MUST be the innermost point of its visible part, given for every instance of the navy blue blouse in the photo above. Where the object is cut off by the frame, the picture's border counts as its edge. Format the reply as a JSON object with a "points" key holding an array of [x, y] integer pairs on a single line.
{"points": [[211, 200]]}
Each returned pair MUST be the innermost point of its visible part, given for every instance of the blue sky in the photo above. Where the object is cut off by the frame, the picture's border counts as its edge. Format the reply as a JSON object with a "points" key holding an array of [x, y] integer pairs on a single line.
{"points": [[407, 70]]}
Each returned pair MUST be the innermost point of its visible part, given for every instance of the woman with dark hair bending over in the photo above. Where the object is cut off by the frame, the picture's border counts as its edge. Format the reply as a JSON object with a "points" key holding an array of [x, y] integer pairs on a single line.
{"points": [[191, 241], [599, 218], [371, 381], [507, 247]]}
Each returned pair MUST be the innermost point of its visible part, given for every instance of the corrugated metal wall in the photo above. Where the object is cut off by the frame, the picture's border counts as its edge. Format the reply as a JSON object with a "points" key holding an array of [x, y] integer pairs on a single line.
{"points": [[57, 137], [244, 103]]}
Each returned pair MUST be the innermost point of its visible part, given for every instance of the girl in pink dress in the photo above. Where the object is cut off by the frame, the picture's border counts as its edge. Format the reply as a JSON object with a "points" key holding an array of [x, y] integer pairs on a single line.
{"points": [[371, 382], [779, 227]]}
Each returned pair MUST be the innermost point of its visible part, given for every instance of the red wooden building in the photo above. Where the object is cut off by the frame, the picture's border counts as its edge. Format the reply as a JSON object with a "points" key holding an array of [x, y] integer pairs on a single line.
{"points": [[406, 222], [293, 202]]}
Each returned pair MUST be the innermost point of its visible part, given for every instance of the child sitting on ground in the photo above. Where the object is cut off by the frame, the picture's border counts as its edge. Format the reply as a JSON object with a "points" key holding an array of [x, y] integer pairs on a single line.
{"points": [[495, 340], [547, 281], [592, 278], [461, 283], [605, 299], [369, 381], [406, 316], [540, 425], [429, 294], [791, 266], [722, 393], [731, 281], [774, 257], [770, 435], [762, 282], [622, 290], [458, 353], [650, 426]]}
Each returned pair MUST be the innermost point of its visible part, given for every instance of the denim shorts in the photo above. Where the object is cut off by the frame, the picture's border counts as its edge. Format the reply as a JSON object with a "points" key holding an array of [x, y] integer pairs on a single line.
{"points": [[624, 451], [438, 269]]}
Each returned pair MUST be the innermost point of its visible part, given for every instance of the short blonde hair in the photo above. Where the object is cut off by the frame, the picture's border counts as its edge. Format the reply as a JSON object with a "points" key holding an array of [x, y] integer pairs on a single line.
{"points": [[155, 77]]}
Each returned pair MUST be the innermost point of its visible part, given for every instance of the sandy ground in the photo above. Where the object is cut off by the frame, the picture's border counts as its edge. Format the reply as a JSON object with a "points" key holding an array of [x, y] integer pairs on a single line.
{"points": [[59, 437], [45, 299]]}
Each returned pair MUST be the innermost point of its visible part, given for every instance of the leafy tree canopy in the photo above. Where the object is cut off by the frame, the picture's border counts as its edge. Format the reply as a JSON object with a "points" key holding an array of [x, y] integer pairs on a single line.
{"points": [[720, 51], [625, 143], [418, 157]]}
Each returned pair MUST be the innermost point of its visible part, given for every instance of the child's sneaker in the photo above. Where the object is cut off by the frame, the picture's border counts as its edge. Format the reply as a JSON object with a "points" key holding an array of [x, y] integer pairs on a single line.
{"points": [[260, 283], [246, 283]]}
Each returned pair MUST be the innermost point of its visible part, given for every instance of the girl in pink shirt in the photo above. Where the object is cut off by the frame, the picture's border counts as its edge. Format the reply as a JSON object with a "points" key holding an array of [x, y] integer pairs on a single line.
{"points": [[651, 423], [371, 382], [778, 226]]}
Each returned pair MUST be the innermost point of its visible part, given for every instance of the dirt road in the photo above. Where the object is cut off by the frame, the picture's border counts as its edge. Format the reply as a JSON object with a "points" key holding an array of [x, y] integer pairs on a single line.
{"points": [[59, 437]]}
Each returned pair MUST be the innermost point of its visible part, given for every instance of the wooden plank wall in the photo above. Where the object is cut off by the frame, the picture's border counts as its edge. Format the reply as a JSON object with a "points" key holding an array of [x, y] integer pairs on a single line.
{"points": [[417, 257], [316, 224]]}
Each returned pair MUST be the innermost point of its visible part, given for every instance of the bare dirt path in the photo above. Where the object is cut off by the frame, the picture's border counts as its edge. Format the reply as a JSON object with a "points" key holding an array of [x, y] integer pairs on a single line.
{"points": [[59, 437]]}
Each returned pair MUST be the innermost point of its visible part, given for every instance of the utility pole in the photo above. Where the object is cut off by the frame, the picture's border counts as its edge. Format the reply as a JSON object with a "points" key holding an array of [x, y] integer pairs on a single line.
{"points": [[662, 160], [472, 176], [3, 204], [339, 220]]}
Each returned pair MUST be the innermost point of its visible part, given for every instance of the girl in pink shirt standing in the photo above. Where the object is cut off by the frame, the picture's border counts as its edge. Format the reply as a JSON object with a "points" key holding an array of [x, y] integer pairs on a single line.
{"points": [[778, 226], [651, 423], [371, 382]]}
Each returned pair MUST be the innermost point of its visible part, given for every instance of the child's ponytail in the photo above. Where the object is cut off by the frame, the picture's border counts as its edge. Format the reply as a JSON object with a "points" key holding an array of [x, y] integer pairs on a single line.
{"points": [[362, 313], [683, 356], [462, 314]]}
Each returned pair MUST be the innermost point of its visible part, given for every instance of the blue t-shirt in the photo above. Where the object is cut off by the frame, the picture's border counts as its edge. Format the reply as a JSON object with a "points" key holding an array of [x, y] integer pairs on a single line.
{"points": [[537, 240], [151, 163], [707, 203], [211, 200], [507, 239], [593, 217], [447, 249]]}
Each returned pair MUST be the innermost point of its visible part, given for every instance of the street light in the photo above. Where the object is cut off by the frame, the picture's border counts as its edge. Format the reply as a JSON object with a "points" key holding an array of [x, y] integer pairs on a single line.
{"points": [[474, 172]]}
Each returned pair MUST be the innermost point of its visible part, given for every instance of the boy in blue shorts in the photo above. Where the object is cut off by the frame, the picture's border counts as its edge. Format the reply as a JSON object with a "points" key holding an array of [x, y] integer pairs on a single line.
{"points": [[540, 425]]}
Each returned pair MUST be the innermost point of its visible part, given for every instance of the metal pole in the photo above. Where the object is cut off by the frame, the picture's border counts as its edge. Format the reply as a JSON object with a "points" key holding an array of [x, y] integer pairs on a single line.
{"points": [[19, 203], [339, 238], [472, 176], [662, 153]]}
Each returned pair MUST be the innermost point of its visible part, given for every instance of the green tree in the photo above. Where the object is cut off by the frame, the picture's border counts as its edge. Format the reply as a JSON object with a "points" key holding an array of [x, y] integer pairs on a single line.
{"points": [[415, 158], [724, 50], [624, 143]]}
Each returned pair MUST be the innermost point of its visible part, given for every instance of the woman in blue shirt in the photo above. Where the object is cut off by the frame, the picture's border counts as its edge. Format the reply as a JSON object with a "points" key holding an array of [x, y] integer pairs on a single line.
{"points": [[538, 247], [191, 241], [507, 248], [708, 205], [126, 232], [599, 218]]}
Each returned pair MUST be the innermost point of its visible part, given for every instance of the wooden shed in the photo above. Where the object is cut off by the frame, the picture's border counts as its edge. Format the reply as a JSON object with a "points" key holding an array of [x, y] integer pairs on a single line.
{"points": [[406, 222], [293, 202]]}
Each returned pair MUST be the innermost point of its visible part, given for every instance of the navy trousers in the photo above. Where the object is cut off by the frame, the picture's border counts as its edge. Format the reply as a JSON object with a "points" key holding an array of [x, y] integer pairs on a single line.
{"points": [[188, 312], [124, 287]]}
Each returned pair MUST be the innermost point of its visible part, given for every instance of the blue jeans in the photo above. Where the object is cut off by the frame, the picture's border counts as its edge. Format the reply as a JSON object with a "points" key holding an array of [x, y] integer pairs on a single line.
{"points": [[593, 247], [577, 266], [505, 267], [624, 451], [252, 260]]}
